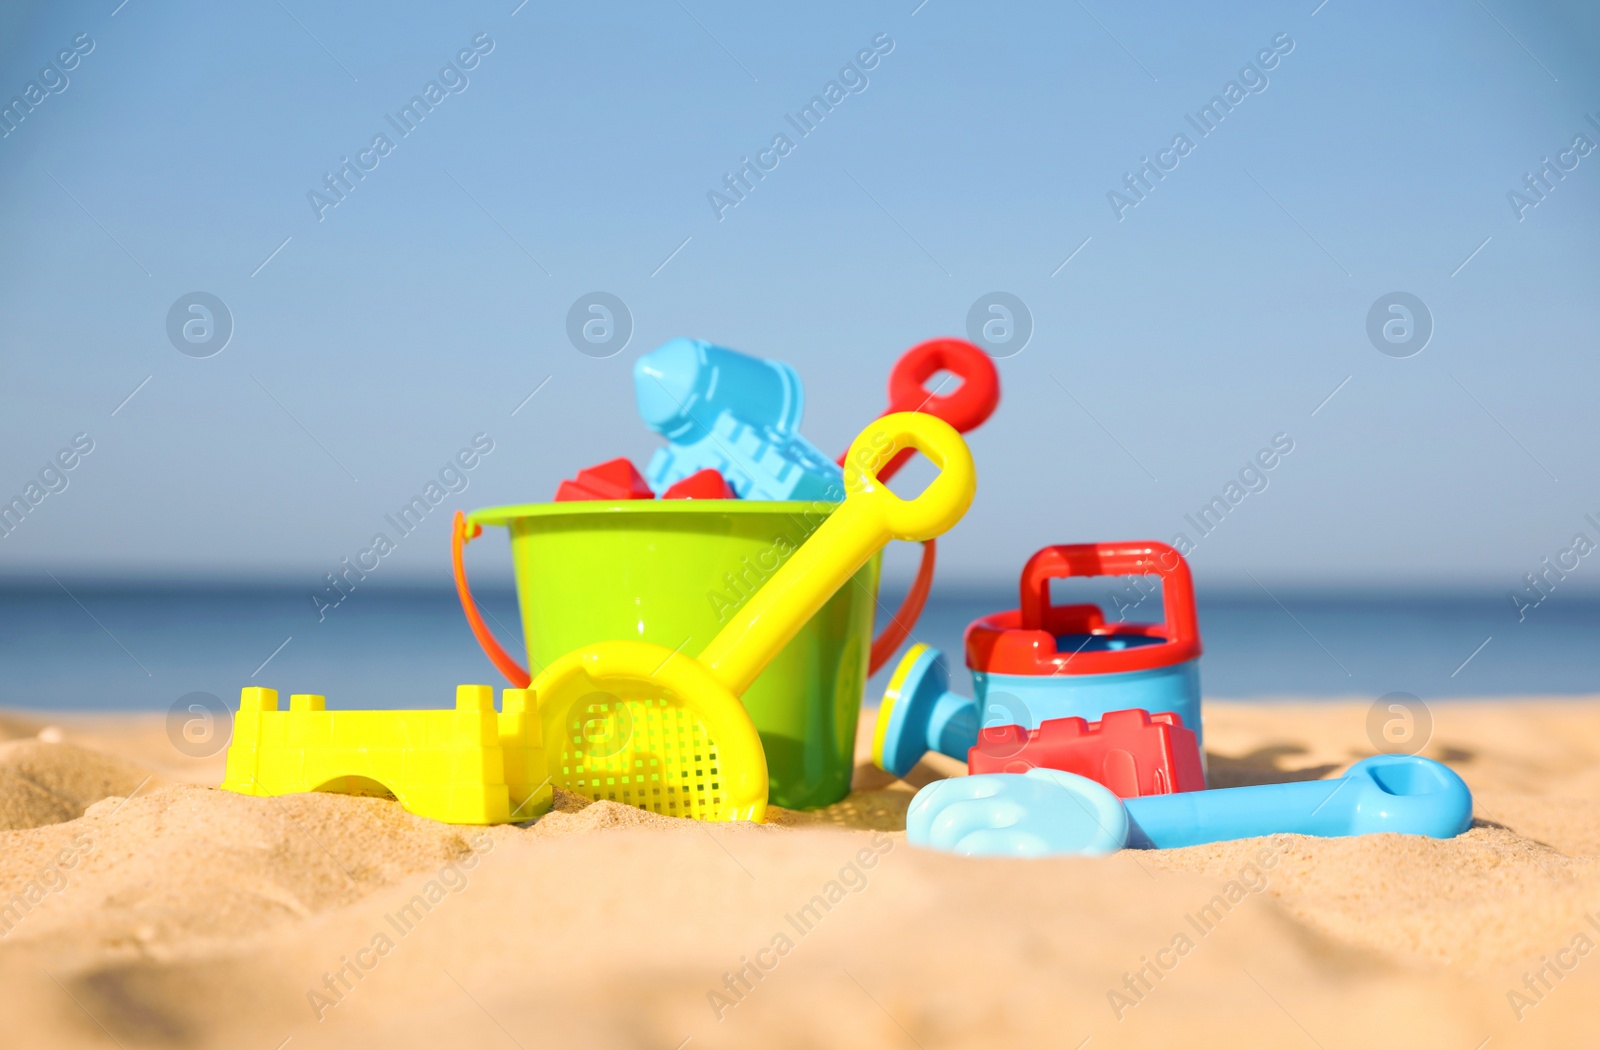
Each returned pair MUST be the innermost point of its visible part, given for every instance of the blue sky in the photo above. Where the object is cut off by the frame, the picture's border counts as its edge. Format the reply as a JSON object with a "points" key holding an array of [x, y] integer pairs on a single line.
{"points": [[371, 344]]}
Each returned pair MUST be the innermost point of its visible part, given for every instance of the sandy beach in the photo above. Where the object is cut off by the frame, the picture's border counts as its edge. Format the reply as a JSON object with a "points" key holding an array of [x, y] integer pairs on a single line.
{"points": [[147, 908]]}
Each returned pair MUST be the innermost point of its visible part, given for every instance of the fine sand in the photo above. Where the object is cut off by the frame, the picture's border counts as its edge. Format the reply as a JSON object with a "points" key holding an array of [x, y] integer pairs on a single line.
{"points": [[148, 908]]}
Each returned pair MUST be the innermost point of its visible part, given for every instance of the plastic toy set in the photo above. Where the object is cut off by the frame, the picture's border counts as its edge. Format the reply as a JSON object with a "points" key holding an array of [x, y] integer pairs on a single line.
{"points": [[705, 653], [618, 590], [1085, 736]]}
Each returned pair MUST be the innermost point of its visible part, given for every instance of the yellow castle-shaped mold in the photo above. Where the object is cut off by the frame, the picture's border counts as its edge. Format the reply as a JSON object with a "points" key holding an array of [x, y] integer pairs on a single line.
{"points": [[469, 765]]}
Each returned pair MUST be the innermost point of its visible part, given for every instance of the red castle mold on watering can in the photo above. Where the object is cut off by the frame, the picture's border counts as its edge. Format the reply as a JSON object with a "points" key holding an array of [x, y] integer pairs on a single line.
{"points": [[1134, 753]]}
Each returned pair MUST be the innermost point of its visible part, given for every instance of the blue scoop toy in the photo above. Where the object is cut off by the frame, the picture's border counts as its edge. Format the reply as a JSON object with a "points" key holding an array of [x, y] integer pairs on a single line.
{"points": [[732, 413], [1045, 811]]}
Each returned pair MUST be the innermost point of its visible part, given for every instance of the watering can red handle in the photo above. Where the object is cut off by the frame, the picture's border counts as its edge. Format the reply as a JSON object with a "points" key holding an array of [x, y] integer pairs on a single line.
{"points": [[1139, 558], [883, 647], [460, 534]]}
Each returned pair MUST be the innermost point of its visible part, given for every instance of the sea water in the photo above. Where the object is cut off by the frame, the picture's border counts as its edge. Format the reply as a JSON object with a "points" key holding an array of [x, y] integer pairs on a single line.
{"points": [[141, 648]]}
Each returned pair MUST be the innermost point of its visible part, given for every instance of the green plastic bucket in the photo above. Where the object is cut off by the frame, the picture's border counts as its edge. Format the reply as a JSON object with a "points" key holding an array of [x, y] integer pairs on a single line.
{"points": [[671, 572]]}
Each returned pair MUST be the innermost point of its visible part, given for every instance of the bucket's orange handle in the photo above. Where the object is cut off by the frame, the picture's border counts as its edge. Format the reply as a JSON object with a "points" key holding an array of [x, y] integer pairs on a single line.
{"points": [[883, 647], [460, 534], [905, 618]]}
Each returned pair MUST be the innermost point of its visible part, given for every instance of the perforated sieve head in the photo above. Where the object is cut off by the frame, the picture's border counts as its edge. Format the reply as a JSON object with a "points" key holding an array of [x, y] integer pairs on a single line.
{"points": [[635, 723]]}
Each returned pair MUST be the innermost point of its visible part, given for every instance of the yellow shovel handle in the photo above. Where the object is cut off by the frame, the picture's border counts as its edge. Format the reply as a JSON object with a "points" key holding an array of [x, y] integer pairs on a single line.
{"points": [[863, 524]]}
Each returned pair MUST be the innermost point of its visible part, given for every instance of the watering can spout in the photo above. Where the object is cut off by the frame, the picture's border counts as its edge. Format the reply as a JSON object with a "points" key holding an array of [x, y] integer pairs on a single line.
{"points": [[919, 714]]}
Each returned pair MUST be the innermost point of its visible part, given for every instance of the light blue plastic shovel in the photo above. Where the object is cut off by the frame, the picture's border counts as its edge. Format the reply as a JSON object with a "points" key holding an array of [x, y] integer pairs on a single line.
{"points": [[1045, 811]]}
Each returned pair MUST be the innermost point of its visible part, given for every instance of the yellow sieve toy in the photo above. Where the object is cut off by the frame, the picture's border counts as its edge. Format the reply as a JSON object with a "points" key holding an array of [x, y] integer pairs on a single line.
{"points": [[627, 721], [644, 725]]}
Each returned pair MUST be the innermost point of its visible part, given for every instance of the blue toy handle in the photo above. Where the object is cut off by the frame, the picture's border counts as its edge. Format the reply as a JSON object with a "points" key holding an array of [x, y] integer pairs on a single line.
{"points": [[1194, 817], [684, 384], [1404, 794]]}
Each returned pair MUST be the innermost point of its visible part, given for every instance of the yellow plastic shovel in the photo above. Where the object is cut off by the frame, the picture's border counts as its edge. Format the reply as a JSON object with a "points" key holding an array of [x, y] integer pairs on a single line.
{"points": [[644, 725]]}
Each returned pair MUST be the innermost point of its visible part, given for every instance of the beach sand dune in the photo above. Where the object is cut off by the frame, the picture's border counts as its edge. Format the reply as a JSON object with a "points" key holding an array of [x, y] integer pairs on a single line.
{"points": [[142, 907]]}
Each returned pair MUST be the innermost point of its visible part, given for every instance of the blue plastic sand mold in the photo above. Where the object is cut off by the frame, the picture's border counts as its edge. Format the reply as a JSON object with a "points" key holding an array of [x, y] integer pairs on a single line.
{"points": [[1046, 811], [732, 413]]}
